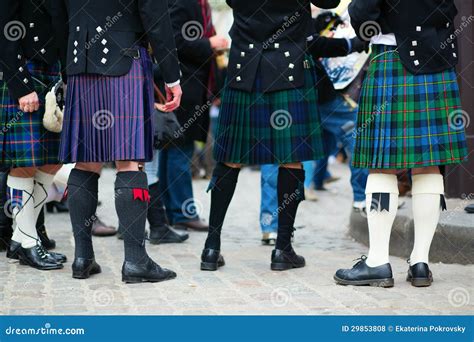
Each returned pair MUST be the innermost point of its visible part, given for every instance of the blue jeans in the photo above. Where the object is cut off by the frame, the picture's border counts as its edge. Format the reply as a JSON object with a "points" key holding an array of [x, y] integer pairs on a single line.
{"points": [[269, 200], [151, 168], [174, 171], [338, 120]]}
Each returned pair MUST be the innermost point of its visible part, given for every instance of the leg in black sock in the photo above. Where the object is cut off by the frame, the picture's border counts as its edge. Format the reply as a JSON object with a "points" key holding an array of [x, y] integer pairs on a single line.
{"points": [[222, 187], [83, 193], [131, 203], [290, 194]]}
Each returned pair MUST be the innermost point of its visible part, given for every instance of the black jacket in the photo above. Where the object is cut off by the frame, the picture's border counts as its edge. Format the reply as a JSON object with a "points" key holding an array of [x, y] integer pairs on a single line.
{"points": [[327, 47], [99, 31], [424, 30], [30, 30], [195, 55], [270, 38]]}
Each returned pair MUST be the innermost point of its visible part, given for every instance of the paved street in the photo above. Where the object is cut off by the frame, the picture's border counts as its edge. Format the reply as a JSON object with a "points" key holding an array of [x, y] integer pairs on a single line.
{"points": [[245, 285]]}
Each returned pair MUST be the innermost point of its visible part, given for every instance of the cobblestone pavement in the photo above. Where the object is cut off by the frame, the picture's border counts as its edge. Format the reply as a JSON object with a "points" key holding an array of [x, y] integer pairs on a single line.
{"points": [[245, 285]]}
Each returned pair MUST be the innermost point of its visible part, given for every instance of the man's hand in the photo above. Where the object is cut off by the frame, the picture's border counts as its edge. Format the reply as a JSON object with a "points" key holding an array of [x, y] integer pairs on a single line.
{"points": [[29, 103], [219, 42], [173, 98]]}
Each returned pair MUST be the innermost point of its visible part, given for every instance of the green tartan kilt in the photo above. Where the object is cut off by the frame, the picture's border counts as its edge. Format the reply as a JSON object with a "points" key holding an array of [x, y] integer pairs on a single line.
{"points": [[24, 142], [408, 121], [270, 128]]}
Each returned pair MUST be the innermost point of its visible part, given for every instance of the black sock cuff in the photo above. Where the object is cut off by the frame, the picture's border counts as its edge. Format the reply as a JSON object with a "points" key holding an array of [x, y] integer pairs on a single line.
{"points": [[223, 171], [223, 174], [131, 180], [298, 174], [84, 179]]}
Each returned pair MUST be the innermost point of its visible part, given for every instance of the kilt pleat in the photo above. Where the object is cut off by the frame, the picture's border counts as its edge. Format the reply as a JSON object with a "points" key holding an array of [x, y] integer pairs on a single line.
{"points": [[405, 120], [24, 142], [108, 118], [269, 128]]}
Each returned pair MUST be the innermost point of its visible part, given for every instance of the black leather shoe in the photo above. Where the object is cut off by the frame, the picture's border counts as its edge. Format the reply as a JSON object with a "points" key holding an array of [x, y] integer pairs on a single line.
{"points": [[361, 274], [147, 272], [211, 260], [286, 260], [39, 258], [42, 234], [83, 268], [420, 275], [166, 234], [15, 250]]}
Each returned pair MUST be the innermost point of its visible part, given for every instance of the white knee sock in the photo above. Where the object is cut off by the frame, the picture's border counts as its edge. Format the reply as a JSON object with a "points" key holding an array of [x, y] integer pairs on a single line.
{"points": [[43, 182], [380, 221], [22, 207], [426, 190]]}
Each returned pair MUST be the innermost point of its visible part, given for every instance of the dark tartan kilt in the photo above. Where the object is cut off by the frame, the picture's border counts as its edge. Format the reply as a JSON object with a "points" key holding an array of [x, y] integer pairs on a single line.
{"points": [[109, 118], [408, 121], [270, 128], [24, 142]]}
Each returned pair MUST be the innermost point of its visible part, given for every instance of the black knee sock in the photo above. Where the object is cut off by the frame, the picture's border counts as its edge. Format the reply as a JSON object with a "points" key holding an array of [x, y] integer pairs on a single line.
{"points": [[224, 180], [156, 210], [131, 203], [290, 194], [82, 196]]}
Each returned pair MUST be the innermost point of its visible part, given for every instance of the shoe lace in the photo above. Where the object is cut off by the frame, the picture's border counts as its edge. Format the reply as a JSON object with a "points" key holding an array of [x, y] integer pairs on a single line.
{"points": [[360, 260], [43, 253]]}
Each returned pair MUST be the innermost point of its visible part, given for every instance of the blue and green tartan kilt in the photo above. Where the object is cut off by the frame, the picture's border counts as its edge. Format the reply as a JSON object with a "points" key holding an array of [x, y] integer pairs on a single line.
{"points": [[270, 128], [24, 142], [408, 121]]}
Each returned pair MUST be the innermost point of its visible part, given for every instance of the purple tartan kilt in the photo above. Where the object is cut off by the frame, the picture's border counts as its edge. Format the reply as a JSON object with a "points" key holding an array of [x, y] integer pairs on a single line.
{"points": [[108, 118]]}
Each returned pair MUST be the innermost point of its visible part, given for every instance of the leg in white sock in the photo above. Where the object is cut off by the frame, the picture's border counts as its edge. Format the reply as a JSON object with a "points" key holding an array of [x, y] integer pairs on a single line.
{"points": [[43, 182], [380, 221], [20, 191], [427, 190]]}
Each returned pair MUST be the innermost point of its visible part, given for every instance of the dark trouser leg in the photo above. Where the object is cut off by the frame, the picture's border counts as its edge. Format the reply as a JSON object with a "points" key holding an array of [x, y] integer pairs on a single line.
{"points": [[6, 230], [160, 231]]}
